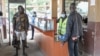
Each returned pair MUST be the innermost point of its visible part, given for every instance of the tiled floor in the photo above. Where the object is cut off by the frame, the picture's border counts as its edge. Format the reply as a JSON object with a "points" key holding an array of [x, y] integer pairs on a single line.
{"points": [[33, 50]]}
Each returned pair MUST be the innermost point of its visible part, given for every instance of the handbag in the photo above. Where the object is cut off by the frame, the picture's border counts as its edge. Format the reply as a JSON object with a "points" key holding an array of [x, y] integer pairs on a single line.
{"points": [[14, 41]]}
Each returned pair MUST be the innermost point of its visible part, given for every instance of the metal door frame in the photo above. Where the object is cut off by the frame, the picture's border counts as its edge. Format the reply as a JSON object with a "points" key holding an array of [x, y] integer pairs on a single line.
{"points": [[10, 17]]}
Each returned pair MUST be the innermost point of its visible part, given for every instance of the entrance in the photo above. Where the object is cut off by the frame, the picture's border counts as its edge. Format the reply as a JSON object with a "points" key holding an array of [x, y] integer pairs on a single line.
{"points": [[12, 9]]}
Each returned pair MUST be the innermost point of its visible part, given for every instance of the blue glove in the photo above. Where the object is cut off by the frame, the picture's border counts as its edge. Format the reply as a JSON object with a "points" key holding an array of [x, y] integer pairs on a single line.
{"points": [[62, 38]]}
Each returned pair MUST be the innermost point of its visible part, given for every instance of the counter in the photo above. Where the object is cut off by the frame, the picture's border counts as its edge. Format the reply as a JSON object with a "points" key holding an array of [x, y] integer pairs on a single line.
{"points": [[46, 40]]}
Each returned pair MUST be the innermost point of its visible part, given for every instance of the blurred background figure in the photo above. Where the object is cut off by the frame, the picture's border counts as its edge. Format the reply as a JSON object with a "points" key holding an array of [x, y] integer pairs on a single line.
{"points": [[32, 23]]}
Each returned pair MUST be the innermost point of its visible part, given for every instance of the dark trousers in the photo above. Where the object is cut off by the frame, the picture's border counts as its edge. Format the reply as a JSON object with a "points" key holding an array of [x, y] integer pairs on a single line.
{"points": [[73, 48], [32, 27]]}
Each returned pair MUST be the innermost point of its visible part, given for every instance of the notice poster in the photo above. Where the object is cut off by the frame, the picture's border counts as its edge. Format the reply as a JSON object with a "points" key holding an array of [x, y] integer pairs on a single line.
{"points": [[0, 16], [17, 1], [0, 21], [92, 2], [0, 7]]}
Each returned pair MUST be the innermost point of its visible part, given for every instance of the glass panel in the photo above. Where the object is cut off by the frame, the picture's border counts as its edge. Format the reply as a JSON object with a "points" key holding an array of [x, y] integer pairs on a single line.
{"points": [[44, 24], [44, 9], [81, 7]]}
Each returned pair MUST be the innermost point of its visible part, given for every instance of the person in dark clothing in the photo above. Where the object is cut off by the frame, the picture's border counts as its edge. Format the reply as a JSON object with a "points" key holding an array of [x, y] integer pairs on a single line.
{"points": [[74, 30], [32, 24], [1, 13], [20, 28], [85, 20]]}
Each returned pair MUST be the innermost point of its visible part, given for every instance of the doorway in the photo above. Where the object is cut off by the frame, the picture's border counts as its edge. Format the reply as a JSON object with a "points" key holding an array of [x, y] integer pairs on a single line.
{"points": [[10, 7]]}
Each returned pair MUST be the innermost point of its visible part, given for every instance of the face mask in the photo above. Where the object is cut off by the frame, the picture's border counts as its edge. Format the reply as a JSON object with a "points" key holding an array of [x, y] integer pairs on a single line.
{"points": [[63, 15]]}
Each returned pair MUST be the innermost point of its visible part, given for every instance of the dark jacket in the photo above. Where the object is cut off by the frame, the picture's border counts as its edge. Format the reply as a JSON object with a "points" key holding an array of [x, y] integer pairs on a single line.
{"points": [[74, 25]]}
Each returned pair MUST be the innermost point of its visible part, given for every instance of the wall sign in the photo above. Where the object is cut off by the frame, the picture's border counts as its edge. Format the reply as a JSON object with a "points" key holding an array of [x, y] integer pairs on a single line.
{"points": [[0, 7], [17, 1], [92, 2]]}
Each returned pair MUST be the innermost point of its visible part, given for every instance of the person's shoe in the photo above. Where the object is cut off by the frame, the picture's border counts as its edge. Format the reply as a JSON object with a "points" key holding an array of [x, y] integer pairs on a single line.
{"points": [[25, 54], [16, 46], [16, 55], [31, 38], [26, 46]]}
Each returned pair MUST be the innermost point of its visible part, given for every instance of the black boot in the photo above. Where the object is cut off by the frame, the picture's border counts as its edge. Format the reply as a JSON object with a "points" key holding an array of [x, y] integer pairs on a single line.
{"points": [[17, 47], [32, 38], [18, 44], [24, 44], [16, 52], [27, 46]]}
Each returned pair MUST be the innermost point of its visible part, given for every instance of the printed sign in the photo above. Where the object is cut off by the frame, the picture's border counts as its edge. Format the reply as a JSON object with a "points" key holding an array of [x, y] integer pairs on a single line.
{"points": [[17, 1], [0, 7], [0, 21], [92, 2]]}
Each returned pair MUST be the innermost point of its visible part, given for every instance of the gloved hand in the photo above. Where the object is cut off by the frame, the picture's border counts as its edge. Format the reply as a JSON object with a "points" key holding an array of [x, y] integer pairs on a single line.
{"points": [[62, 38]]}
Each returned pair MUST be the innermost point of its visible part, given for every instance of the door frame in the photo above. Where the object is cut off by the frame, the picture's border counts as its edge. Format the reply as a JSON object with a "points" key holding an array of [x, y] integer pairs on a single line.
{"points": [[14, 2]]}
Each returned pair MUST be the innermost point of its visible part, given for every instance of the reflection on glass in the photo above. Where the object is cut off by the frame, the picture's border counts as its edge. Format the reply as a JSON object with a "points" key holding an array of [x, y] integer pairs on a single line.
{"points": [[82, 8], [44, 24]]}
